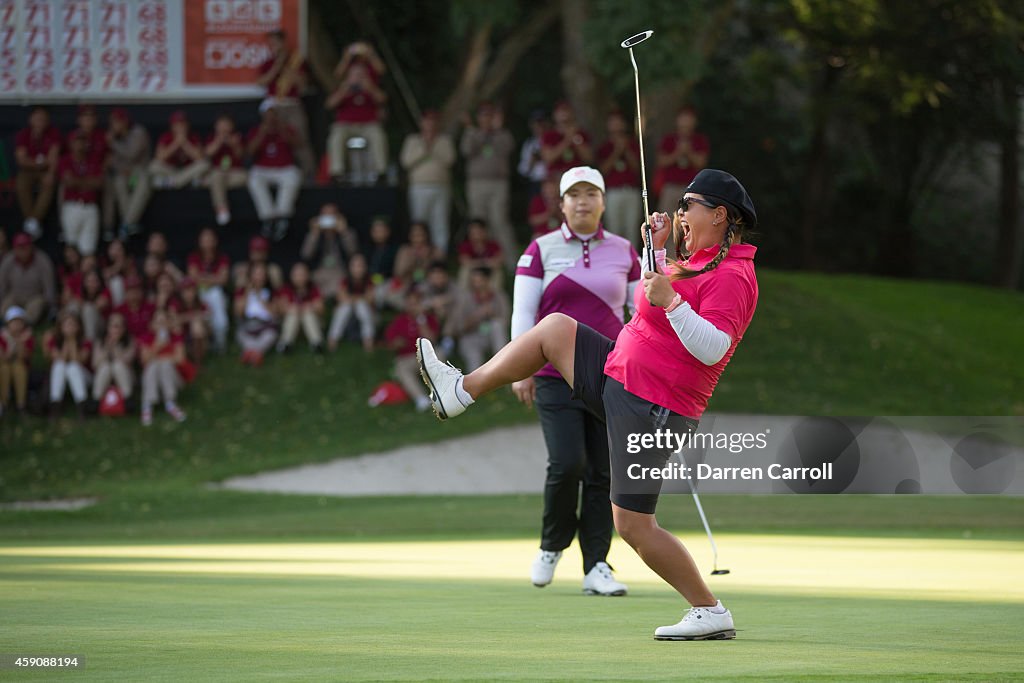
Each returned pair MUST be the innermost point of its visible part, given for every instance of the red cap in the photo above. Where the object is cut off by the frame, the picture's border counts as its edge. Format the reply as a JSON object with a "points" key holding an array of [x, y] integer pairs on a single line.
{"points": [[259, 243], [86, 109], [133, 282], [178, 117], [21, 240], [120, 113]]}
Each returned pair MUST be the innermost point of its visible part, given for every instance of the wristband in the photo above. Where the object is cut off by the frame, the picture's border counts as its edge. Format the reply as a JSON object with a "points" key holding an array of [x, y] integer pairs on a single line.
{"points": [[675, 303]]}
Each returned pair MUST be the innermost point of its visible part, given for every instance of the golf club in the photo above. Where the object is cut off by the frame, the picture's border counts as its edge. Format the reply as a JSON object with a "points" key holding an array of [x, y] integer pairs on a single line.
{"points": [[714, 549], [628, 44]]}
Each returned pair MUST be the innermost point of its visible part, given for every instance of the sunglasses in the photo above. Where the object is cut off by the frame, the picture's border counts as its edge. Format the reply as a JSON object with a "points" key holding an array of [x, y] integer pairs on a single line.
{"points": [[685, 202]]}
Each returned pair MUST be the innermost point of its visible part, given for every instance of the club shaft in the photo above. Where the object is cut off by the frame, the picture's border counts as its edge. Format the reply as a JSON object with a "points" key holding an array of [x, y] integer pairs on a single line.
{"points": [[648, 240], [707, 527]]}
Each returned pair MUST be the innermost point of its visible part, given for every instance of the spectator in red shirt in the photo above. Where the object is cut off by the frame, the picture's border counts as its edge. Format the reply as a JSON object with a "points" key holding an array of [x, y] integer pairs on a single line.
{"points": [[92, 301], [16, 345], [259, 252], [358, 104], [271, 144], [545, 213], [284, 74], [209, 268], [193, 316], [179, 156], [401, 337], [681, 155], [96, 140], [128, 186], [36, 152], [160, 353], [117, 266], [478, 250], [618, 160], [355, 295], [225, 150], [69, 353], [137, 312], [256, 315], [566, 145], [301, 303], [81, 178], [157, 246], [166, 296]]}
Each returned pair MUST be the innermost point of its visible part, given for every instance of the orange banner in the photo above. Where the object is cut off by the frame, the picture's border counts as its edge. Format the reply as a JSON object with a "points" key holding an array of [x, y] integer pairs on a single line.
{"points": [[225, 40]]}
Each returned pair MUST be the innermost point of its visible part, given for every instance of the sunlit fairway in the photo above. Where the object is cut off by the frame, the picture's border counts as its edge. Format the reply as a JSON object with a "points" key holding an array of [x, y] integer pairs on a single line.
{"points": [[805, 605]]}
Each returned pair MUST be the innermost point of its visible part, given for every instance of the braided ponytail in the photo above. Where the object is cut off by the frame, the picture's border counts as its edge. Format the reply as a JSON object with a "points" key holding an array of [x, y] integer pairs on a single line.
{"points": [[733, 233]]}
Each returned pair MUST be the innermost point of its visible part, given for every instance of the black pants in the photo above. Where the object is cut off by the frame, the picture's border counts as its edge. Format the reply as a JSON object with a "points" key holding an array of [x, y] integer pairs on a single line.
{"points": [[577, 442]]}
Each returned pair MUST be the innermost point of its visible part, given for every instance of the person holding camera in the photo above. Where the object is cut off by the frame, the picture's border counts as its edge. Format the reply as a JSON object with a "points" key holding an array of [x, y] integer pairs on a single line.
{"points": [[328, 246], [284, 74], [358, 105]]}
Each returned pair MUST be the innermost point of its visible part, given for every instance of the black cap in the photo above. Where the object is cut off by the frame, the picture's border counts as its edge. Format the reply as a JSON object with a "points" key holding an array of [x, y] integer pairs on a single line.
{"points": [[715, 184]]}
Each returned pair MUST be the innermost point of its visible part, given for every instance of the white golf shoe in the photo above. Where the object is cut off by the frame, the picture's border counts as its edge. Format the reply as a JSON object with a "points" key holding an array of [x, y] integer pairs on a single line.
{"points": [[700, 623], [543, 569], [599, 581], [441, 380]]}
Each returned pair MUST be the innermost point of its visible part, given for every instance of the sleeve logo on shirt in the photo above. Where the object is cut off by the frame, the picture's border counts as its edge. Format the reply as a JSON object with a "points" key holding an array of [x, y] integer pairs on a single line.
{"points": [[525, 261]]}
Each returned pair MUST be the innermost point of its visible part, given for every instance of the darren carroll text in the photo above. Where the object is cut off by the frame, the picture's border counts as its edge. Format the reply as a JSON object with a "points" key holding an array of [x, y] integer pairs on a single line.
{"points": [[705, 472]]}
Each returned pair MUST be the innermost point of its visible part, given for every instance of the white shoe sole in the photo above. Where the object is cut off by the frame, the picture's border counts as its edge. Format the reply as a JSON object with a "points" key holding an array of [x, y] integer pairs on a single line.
{"points": [[591, 591], [435, 401], [727, 634]]}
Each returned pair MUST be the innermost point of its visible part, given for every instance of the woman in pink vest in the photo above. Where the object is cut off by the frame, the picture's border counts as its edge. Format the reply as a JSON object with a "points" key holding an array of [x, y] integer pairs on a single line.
{"points": [[658, 373]]}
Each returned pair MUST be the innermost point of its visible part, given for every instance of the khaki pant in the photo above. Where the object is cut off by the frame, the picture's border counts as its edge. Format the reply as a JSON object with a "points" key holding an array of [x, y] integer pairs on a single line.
{"points": [[129, 194], [430, 203], [71, 375], [220, 180], [117, 372], [475, 345], [27, 182], [343, 313], [407, 372], [81, 224], [293, 113], [34, 307], [310, 326], [14, 373], [286, 179], [488, 199], [160, 376], [92, 319], [340, 135], [176, 177], [624, 213]]}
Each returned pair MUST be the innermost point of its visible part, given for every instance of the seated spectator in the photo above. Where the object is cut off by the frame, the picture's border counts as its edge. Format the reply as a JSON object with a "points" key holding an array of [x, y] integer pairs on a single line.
{"points": [[127, 186], [165, 297], [273, 165], [428, 156], [480, 319], [95, 139], [16, 346], [478, 250], [81, 179], [69, 272], [355, 296], [256, 316], [36, 153], [531, 164], [416, 255], [136, 310], [358, 104], [225, 151], [179, 156], [566, 145], [439, 294], [27, 280], [157, 246], [160, 353], [284, 74], [300, 303], [328, 246], [69, 353], [381, 253], [619, 162], [194, 317], [116, 267], [545, 212], [209, 268], [259, 252], [92, 303], [113, 360], [400, 337]]}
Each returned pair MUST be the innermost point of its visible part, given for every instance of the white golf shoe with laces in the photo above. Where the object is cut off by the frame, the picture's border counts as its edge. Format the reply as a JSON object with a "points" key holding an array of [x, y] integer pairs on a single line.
{"points": [[543, 568], [600, 581], [441, 379], [700, 623]]}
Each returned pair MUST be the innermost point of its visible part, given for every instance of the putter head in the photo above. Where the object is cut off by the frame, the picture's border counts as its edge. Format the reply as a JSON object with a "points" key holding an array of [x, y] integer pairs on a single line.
{"points": [[637, 39], [719, 572]]}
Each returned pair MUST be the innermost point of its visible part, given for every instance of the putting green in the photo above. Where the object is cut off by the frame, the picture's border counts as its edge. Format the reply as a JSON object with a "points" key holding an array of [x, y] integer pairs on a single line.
{"points": [[816, 607]]}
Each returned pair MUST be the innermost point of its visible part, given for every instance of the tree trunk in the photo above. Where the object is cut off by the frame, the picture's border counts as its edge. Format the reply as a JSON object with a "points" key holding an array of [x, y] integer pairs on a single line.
{"points": [[817, 180], [1008, 240], [461, 99], [583, 87]]}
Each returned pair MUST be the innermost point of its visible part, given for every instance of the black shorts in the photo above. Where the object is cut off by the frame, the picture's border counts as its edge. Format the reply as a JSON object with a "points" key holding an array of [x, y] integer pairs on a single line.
{"points": [[628, 418]]}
